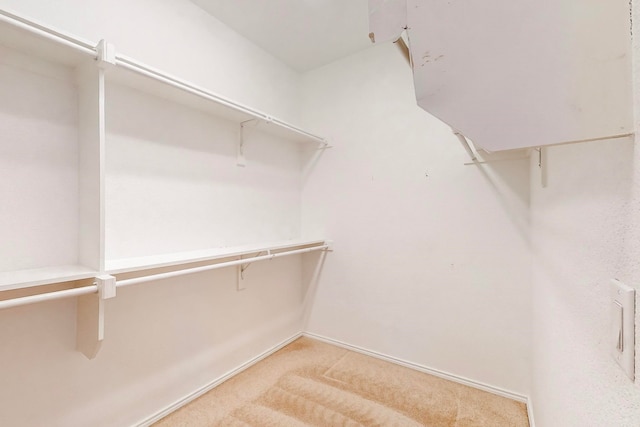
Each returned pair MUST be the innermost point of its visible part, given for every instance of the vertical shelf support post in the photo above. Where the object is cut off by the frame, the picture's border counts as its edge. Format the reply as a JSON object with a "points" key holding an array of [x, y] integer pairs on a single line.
{"points": [[90, 316]]}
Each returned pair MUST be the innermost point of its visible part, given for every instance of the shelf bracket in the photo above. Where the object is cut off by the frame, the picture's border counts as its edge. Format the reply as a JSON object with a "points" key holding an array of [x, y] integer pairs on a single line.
{"points": [[329, 244], [542, 164], [106, 55], [240, 275], [241, 159], [465, 144], [90, 316], [241, 268]]}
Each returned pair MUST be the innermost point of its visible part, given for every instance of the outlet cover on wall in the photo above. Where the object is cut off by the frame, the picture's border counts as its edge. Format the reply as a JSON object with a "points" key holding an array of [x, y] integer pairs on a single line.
{"points": [[622, 306]]}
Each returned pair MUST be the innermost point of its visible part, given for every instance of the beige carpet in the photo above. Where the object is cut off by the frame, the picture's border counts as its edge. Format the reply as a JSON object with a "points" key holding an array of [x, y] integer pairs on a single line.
{"points": [[310, 383]]}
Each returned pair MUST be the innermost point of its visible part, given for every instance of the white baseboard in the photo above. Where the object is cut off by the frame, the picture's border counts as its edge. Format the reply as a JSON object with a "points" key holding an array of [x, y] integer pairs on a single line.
{"points": [[193, 396], [435, 372], [532, 423]]}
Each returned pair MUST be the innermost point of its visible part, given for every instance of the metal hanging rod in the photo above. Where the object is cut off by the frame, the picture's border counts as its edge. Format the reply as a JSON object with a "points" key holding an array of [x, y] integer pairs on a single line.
{"points": [[67, 293], [91, 289]]}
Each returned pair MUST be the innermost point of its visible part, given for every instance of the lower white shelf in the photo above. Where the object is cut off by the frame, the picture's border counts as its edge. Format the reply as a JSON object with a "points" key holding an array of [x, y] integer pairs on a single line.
{"points": [[43, 276], [167, 260]]}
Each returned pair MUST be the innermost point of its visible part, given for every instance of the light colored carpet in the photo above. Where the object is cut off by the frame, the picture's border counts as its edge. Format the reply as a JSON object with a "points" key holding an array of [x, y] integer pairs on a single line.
{"points": [[311, 383]]}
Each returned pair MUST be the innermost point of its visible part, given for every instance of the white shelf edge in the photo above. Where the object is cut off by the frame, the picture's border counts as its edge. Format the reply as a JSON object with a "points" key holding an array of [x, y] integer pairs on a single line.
{"points": [[47, 33], [128, 265], [20, 279], [149, 72]]}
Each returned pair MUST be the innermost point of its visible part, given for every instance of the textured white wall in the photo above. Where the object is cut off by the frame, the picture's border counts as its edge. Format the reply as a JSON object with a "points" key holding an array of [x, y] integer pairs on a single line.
{"points": [[432, 259], [165, 339], [585, 231], [579, 228]]}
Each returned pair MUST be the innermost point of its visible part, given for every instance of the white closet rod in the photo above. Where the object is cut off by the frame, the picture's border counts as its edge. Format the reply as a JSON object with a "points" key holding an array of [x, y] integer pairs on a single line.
{"points": [[48, 33], [136, 67], [68, 293], [161, 276], [86, 290]]}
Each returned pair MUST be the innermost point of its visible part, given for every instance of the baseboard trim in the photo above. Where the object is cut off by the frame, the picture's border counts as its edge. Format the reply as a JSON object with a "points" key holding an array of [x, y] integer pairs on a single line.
{"points": [[193, 396], [532, 423], [435, 372]]}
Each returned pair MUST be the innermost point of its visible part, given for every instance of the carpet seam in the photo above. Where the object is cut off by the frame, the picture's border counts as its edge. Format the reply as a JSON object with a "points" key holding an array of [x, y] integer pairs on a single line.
{"points": [[346, 352]]}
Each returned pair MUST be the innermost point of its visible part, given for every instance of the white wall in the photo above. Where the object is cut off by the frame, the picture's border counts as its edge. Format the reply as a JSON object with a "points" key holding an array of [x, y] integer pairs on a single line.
{"points": [[165, 339], [432, 259], [580, 224], [38, 174], [176, 167], [585, 231]]}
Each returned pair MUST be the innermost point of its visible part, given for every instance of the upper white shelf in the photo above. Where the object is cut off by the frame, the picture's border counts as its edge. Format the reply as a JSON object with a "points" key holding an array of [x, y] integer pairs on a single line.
{"points": [[518, 74], [134, 74], [30, 37], [43, 276], [131, 73], [43, 42], [167, 260]]}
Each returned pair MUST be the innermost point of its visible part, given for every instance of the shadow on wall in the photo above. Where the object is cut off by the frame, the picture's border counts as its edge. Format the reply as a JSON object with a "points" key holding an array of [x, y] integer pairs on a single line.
{"points": [[506, 177]]}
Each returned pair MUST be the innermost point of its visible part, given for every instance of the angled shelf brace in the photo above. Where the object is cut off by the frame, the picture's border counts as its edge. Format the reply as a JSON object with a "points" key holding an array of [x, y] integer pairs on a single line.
{"points": [[465, 145], [243, 267]]}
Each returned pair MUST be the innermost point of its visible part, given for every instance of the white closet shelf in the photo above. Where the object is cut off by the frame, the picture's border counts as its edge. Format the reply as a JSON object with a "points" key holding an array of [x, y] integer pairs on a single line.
{"points": [[168, 260], [44, 42], [20, 279], [130, 73], [29, 37]]}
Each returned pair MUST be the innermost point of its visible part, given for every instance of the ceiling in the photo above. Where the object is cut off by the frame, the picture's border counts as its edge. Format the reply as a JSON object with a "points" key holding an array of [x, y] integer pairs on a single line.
{"points": [[305, 34]]}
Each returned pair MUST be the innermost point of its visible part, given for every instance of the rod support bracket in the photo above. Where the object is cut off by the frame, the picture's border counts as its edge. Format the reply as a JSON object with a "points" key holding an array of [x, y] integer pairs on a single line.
{"points": [[241, 160], [106, 286], [106, 54]]}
